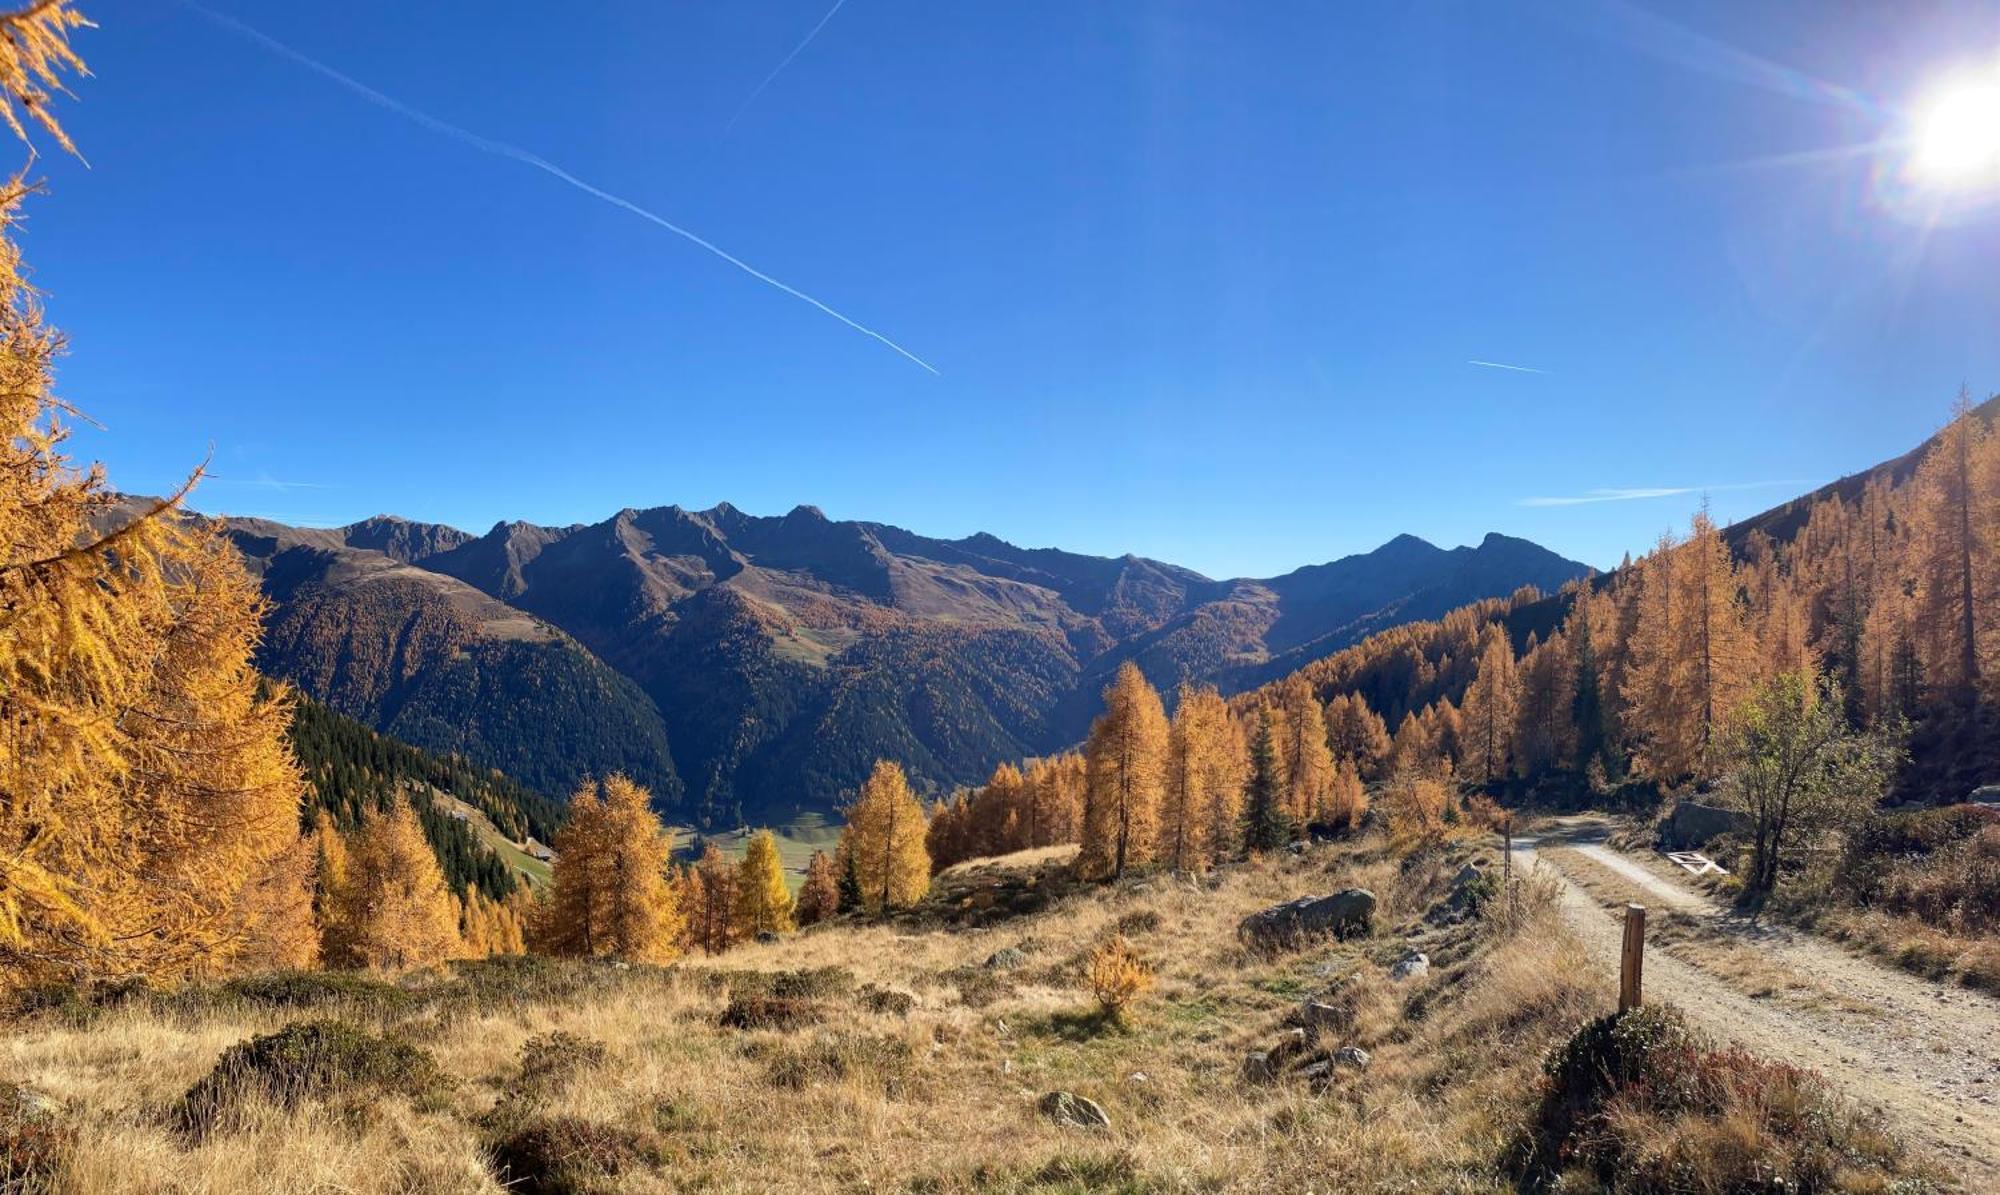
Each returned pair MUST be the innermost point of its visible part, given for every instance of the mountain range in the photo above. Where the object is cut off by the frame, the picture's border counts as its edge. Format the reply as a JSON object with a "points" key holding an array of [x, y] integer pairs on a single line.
{"points": [[749, 667]]}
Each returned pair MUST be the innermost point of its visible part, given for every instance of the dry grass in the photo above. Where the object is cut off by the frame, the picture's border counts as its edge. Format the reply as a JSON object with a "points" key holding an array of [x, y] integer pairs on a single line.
{"points": [[922, 1071]]}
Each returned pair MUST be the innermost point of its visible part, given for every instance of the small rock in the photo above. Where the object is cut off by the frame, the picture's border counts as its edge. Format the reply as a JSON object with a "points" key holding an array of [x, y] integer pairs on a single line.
{"points": [[1257, 1067], [1353, 1056], [1317, 1072], [766, 937], [1413, 965], [1074, 1111], [1321, 1017], [1005, 959], [1140, 1077]]}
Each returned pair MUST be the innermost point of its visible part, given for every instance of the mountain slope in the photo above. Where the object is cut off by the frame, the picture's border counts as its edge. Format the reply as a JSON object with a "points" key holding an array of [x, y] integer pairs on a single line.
{"points": [[438, 664], [783, 655]]}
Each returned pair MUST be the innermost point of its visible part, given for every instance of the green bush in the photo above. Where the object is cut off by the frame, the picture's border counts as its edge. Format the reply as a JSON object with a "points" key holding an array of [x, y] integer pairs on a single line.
{"points": [[306, 1060]]}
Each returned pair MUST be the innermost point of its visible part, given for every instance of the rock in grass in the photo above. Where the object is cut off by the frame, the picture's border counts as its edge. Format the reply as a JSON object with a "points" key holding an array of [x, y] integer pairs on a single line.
{"points": [[1353, 1056], [1343, 914], [1258, 1068], [1074, 1111], [1005, 959], [1414, 965], [1320, 1017]]}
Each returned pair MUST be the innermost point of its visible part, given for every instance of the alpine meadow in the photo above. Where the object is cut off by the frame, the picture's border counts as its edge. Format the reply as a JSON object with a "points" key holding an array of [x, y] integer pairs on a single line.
{"points": [[651, 848]]}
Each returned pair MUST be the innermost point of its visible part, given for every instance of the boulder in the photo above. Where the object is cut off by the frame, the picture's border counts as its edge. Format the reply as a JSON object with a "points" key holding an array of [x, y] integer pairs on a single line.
{"points": [[1320, 1017], [1074, 1111], [1350, 911], [1692, 824], [1353, 1056], [1414, 965]]}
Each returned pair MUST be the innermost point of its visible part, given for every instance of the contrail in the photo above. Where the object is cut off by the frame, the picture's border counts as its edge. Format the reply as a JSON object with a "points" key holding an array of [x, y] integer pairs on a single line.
{"points": [[516, 153], [1505, 366], [780, 68], [1636, 494]]}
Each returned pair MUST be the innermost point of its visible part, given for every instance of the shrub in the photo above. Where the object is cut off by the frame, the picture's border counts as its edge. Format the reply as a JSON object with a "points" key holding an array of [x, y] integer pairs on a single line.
{"points": [[770, 1012], [550, 1058], [886, 1002], [33, 1142], [1642, 1103], [315, 989], [1117, 975], [829, 1059], [564, 1155], [306, 1060]]}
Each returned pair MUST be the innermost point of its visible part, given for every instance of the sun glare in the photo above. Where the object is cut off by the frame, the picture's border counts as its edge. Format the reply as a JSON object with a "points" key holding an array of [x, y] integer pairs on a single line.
{"points": [[1957, 135]]}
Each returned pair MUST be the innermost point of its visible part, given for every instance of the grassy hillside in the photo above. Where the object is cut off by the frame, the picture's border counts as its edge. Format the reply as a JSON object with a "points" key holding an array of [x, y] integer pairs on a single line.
{"points": [[796, 843], [922, 1055]]}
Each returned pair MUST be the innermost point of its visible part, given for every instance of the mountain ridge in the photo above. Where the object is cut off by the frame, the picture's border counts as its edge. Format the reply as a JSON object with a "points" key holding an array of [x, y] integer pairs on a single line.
{"points": [[761, 663]]}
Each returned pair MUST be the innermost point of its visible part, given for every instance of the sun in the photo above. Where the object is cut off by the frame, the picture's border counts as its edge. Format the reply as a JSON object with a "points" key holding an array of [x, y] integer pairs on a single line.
{"points": [[1957, 135]]}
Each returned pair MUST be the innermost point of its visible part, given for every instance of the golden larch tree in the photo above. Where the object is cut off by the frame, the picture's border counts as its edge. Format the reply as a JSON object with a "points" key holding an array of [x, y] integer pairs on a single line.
{"points": [[884, 841], [394, 910], [819, 897], [763, 903], [1356, 732], [1200, 731], [610, 895], [1308, 762], [1486, 724], [710, 899], [1125, 762], [148, 800]]}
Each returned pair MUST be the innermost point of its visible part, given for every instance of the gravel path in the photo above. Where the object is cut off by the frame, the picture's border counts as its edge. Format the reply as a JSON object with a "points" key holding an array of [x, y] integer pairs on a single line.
{"points": [[1926, 1054]]}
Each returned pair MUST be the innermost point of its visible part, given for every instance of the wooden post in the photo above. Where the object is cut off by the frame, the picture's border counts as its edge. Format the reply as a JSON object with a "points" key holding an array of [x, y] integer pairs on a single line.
{"points": [[1632, 964]]}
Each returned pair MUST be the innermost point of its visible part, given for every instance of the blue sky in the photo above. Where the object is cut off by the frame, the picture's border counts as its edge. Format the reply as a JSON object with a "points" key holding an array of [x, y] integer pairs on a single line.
{"points": [[1200, 281]]}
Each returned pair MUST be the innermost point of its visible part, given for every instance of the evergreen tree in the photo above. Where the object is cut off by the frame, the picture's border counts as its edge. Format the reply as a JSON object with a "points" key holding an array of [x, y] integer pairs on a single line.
{"points": [[1264, 824]]}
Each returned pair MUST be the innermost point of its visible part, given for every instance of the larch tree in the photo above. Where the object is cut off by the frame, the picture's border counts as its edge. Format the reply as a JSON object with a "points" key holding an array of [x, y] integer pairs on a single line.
{"points": [[1125, 762], [1487, 721], [1308, 763], [1356, 732], [819, 897], [1347, 797], [1952, 566], [1264, 825], [884, 839], [394, 909], [610, 894], [763, 903], [1657, 692], [148, 801], [1716, 643], [1198, 736], [712, 923]]}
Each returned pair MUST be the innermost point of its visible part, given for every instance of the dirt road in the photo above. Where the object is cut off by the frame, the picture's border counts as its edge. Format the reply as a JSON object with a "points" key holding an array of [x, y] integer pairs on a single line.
{"points": [[1926, 1054]]}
